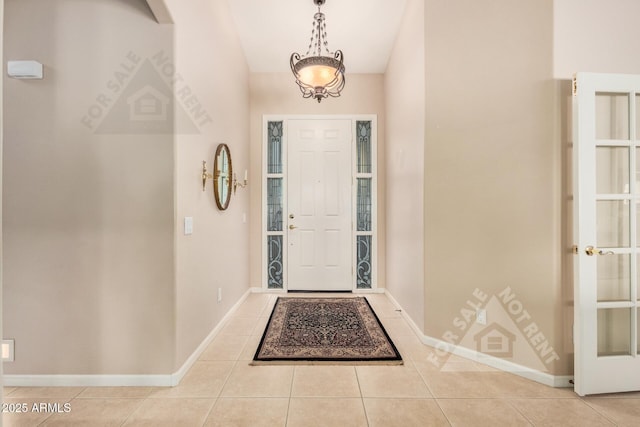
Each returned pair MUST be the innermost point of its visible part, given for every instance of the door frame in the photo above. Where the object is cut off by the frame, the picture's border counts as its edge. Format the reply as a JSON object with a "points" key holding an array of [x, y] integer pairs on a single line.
{"points": [[354, 118], [589, 378]]}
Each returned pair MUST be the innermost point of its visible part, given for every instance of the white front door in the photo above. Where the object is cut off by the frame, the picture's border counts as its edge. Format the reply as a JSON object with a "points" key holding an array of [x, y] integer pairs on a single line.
{"points": [[319, 196], [606, 162]]}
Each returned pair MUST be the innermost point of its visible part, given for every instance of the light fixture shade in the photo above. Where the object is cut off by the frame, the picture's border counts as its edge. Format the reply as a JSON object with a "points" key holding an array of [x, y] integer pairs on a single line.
{"points": [[319, 76]]}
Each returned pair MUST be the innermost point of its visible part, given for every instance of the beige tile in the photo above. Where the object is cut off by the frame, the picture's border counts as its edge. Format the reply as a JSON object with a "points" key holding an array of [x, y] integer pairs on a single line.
{"points": [[397, 326], [391, 381], [250, 348], [559, 412], [47, 392], [404, 413], [21, 413], [511, 385], [253, 307], [6, 391], [171, 412], [254, 412], [627, 395], [459, 384], [118, 392], [623, 412], [481, 413], [411, 348], [466, 366], [325, 381], [204, 379], [225, 347], [385, 309], [261, 325], [258, 381], [239, 326], [95, 412], [325, 412]]}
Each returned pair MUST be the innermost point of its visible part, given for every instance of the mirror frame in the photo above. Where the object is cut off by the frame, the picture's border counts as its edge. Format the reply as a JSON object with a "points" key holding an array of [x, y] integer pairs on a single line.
{"points": [[218, 181]]}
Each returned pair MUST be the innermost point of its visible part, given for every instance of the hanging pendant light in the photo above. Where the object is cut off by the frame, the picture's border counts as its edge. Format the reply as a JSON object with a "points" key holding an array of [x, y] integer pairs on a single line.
{"points": [[319, 76]]}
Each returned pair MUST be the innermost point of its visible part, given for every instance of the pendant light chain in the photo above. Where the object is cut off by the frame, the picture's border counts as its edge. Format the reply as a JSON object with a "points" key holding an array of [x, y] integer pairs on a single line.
{"points": [[319, 76]]}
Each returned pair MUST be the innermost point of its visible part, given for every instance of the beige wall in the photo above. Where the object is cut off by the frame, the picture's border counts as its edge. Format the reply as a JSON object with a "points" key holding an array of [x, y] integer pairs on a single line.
{"points": [[209, 57], [88, 241], [88, 218], [596, 36], [277, 93], [404, 159], [90, 238], [492, 163]]}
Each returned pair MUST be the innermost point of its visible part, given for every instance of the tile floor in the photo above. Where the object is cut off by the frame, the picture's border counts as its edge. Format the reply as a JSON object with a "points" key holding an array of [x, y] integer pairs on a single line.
{"points": [[223, 390]]}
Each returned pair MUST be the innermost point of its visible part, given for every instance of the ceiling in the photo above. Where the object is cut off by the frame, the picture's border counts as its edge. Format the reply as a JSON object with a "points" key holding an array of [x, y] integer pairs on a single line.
{"points": [[271, 30]]}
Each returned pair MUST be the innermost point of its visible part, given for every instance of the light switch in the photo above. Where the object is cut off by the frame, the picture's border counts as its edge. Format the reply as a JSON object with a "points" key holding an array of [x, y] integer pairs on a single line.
{"points": [[188, 225]]}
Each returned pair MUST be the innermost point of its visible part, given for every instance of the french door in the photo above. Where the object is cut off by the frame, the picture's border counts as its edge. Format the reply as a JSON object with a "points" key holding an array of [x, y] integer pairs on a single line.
{"points": [[320, 195], [606, 158]]}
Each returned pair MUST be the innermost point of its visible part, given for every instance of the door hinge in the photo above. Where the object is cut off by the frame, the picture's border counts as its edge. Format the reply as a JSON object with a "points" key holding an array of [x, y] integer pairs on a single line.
{"points": [[575, 85]]}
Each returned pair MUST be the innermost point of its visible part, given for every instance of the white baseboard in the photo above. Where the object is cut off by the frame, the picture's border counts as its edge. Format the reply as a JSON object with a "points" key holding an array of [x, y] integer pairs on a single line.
{"points": [[495, 362], [177, 376], [160, 380]]}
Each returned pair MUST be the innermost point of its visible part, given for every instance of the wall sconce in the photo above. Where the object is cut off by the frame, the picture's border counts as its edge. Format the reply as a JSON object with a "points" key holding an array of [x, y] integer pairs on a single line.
{"points": [[237, 183], [205, 175]]}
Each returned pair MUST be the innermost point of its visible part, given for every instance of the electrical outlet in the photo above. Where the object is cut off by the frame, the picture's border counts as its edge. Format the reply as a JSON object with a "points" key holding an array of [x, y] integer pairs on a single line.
{"points": [[481, 316], [8, 350], [219, 294]]}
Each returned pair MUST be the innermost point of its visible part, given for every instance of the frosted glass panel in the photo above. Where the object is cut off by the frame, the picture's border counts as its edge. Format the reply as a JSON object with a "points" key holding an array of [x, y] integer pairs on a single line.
{"points": [[364, 204], [363, 136], [614, 331], [614, 278], [364, 269], [612, 116], [612, 170], [274, 147], [274, 204], [612, 223], [274, 262]]}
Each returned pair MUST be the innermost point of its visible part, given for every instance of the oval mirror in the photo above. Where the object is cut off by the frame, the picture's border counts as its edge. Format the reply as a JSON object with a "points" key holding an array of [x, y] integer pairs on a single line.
{"points": [[222, 171]]}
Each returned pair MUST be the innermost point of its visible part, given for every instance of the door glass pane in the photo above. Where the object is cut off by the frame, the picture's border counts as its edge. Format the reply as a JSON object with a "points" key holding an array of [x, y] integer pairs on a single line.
{"points": [[363, 137], [612, 116], [274, 204], [363, 280], [612, 170], [614, 331], [614, 278], [364, 204], [638, 330], [275, 278], [274, 147], [612, 223]]}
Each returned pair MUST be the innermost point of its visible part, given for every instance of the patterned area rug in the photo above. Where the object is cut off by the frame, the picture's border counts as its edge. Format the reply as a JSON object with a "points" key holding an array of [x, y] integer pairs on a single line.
{"points": [[317, 330]]}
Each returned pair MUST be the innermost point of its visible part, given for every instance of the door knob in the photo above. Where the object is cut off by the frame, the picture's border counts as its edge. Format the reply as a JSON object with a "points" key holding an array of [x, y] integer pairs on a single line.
{"points": [[591, 251], [292, 227]]}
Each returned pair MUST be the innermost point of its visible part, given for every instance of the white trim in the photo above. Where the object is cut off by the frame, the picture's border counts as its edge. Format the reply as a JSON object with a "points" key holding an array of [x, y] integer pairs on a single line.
{"points": [[159, 380], [495, 362]]}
